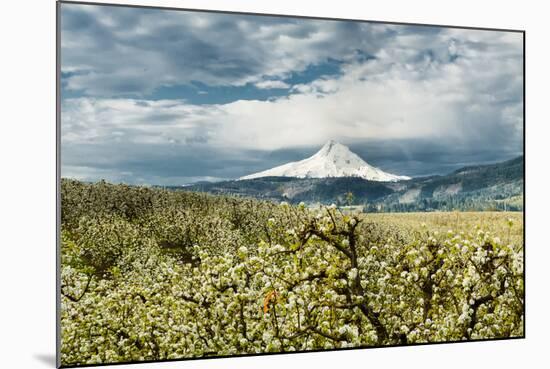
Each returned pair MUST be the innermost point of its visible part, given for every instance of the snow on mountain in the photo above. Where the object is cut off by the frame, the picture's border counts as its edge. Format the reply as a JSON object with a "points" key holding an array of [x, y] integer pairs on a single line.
{"points": [[333, 160]]}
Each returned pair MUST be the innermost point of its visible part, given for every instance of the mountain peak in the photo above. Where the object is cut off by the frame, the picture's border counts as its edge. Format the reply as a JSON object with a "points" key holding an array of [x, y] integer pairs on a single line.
{"points": [[331, 146], [332, 160]]}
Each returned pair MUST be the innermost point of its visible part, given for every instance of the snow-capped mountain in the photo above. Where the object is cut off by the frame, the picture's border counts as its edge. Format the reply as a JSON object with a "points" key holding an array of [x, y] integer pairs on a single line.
{"points": [[333, 160]]}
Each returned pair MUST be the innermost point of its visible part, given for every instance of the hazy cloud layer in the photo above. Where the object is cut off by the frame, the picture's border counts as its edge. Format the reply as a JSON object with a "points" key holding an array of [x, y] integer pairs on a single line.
{"points": [[414, 100]]}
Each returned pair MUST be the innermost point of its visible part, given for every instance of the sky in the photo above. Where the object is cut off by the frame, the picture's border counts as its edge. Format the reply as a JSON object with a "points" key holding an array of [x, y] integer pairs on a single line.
{"points": [[164, 97]]}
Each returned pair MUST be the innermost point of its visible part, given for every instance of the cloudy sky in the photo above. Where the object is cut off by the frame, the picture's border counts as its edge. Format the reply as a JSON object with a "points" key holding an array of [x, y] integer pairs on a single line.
{"points": [[170, 97]]}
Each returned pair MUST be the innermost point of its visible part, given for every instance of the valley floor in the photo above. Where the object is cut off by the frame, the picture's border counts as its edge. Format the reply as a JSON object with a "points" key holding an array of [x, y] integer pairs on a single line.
{"points": [[507, 225]]}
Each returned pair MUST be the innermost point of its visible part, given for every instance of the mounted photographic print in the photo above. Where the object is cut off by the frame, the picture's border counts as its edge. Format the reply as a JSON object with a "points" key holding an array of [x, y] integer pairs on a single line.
{"points": [[239, 184]]}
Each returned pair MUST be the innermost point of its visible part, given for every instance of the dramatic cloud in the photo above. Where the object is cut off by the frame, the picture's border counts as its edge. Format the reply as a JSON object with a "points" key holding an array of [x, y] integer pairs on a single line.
{"points": [[414, 100], [113, 51], [272, 84]]}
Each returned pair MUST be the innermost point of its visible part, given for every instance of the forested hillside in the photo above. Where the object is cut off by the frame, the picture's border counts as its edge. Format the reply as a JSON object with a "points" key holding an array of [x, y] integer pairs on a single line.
{"points": [[475, 188]]}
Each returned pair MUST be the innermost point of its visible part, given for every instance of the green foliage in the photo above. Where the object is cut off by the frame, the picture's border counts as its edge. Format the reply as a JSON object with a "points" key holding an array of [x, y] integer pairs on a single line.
{"points": [[151, 274], [349, 198]]}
